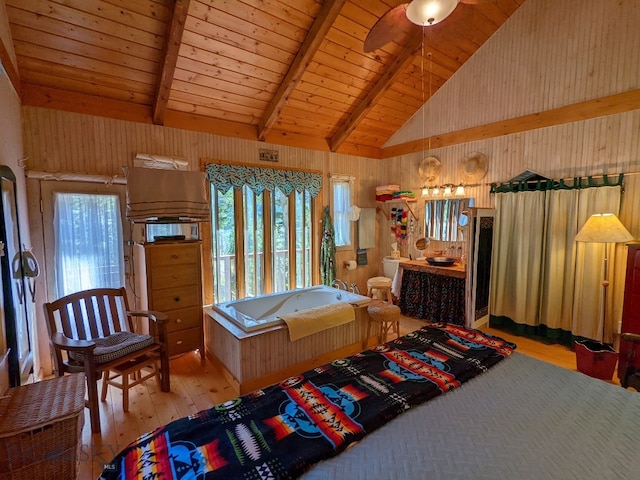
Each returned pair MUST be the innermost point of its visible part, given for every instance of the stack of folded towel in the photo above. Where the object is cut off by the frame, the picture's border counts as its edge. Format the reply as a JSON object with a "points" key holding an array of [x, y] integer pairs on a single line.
{"points": [[384, 193], [407, 195], [387, 193]]}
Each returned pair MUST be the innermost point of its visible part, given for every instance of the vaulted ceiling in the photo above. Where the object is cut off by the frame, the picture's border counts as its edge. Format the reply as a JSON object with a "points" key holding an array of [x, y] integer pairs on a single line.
{"points": [[290, 72]]}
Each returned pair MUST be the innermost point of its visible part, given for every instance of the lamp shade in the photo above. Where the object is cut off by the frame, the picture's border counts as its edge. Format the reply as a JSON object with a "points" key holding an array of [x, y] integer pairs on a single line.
{"points": [[603, 228], [430, 12]]}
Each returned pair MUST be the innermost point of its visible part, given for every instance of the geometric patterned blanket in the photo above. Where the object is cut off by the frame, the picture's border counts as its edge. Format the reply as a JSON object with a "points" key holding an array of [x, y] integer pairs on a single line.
{"points": [[281, 431]]}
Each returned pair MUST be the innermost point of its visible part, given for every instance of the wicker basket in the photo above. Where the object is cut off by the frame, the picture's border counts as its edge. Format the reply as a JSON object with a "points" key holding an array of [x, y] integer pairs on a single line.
{"points": [[40, 425]]}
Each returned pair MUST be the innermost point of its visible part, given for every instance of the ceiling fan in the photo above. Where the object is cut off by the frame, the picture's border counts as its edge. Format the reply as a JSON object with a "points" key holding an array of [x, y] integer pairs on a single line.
{"points": [[417, 13]]}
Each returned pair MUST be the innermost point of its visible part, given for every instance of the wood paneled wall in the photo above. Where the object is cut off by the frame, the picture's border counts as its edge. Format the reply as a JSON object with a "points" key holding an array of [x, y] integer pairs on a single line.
{"points": [[549, 54], [534, 63], [57, 141]]}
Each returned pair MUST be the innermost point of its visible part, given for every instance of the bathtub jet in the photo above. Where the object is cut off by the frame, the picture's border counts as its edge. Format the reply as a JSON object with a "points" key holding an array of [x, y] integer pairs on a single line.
{"points": [[255, 313]]}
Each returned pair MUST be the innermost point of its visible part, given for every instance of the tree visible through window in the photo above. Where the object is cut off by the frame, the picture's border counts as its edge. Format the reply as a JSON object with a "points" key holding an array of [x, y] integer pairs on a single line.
{"points": [[268, 225], [89, 249]]}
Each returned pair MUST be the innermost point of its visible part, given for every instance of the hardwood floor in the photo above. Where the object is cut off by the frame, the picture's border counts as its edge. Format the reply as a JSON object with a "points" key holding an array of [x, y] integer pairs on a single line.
{"points": [[194, 388]]}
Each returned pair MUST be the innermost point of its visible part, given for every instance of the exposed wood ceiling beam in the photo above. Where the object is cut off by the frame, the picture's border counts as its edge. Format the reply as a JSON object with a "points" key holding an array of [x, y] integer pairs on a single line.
{"points": [[321, 25], [165, 79], [8, 66], [598, 107], [373, 95], [35, 96]]}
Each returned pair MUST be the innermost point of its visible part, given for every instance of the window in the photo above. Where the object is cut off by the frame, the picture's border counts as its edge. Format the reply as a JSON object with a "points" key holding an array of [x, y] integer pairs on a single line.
{"points": [[89, 247], [262, 224], [223, 241], [341, 188], [271, 223]]}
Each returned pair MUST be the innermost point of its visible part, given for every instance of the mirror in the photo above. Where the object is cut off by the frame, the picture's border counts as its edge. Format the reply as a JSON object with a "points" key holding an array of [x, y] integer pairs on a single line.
{"points": [[463, 219], [421, 244], [443, 218], [15, 291]]}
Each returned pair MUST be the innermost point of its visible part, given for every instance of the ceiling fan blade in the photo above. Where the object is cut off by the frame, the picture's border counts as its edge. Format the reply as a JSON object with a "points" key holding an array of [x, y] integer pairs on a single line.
{"points": [[390, 26]]}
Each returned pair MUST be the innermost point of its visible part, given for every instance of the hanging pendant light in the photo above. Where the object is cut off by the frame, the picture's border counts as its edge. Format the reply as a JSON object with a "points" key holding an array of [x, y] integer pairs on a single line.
{"points": [[430, 12]]}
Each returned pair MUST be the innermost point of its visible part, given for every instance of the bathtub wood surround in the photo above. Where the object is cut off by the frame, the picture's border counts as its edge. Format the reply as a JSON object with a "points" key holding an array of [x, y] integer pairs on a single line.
{"points": [[252, 360]]}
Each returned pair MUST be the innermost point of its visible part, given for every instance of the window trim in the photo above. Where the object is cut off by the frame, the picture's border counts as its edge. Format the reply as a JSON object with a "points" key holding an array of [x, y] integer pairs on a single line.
{"points": [[334, 179], [240, 270], [48, 189]]}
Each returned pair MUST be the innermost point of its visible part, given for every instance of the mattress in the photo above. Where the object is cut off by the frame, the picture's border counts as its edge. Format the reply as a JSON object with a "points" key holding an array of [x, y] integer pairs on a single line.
{"points": [[523, 419]]}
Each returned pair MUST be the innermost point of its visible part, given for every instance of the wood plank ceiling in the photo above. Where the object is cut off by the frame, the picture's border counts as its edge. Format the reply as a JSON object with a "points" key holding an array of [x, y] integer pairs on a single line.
{"points": [[290, 72]]}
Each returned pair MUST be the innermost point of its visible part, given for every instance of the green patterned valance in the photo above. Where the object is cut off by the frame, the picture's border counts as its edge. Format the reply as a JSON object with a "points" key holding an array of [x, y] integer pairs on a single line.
{"points": [[225, 176], [562, 184]]}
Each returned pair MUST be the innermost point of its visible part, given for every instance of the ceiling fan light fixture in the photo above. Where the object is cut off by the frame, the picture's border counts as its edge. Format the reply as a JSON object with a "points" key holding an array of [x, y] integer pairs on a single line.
{"points": [[429, 12]]}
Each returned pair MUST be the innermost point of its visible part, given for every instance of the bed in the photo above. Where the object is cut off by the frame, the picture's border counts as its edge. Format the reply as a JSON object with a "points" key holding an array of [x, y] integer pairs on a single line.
{"points": [[504, 415]]}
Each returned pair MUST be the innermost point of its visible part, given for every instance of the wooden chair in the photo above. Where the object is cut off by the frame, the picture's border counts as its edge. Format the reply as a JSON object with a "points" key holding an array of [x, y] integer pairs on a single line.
{"points": [[92, 332]]}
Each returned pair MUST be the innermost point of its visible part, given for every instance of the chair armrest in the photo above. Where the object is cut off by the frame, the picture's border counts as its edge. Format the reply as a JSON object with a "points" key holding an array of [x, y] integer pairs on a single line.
{"points": [[158, 317], [59, 340], [631, 337]]}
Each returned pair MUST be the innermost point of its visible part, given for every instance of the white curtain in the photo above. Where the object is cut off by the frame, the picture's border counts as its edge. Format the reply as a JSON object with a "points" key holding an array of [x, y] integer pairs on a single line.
{"points": [[341, 208], [516, 266], [89, 250], [540, 275]]}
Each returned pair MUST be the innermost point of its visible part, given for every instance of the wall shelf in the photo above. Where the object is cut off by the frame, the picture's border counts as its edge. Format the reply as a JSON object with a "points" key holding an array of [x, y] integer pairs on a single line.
{"points": [[395, 202]]}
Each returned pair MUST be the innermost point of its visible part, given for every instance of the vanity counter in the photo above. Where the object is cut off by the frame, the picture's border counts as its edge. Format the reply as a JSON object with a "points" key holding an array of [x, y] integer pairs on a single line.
{"points": [[457, 270], [433, 293]]}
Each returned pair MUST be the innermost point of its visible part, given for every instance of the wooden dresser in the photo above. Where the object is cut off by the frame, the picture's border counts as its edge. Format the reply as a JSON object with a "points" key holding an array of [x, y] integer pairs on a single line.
{"points": [[630, 309], [169, 280]]}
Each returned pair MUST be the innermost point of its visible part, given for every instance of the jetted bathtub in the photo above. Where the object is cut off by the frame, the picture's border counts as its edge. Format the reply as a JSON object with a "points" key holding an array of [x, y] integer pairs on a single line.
{"points": [[256, 313]]}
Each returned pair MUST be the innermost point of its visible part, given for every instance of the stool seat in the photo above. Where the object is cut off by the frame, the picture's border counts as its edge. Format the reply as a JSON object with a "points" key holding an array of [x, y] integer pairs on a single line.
{"points": [[380, 286], [387, 316]]}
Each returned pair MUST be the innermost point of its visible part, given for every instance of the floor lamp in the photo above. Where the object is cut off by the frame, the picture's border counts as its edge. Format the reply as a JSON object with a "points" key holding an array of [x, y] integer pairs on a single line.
{"points": [[600, 228]]}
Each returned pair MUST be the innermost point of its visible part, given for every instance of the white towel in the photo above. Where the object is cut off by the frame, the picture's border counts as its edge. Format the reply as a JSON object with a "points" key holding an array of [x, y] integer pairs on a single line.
{"points": [[396, 283], [314, 320]]}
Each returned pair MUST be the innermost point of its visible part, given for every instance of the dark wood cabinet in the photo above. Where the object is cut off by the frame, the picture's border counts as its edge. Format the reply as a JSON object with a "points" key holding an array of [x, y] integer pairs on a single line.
{"points": [[630, 310]]}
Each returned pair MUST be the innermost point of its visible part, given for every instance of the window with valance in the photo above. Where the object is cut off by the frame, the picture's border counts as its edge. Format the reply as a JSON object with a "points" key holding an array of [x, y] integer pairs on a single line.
{"points": [[261, 229]]}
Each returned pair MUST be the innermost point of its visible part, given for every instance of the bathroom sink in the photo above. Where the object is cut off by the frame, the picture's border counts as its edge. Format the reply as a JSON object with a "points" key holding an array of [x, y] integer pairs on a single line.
{"points": [[441, 261]]}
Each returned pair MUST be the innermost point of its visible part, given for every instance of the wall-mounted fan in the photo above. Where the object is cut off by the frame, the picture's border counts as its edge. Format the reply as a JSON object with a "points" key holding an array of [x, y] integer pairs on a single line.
{"points": [[410, 15]]}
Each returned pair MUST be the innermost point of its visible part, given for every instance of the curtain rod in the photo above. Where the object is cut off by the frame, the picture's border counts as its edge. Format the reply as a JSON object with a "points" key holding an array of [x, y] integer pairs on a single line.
{"points": [[76, 177]]}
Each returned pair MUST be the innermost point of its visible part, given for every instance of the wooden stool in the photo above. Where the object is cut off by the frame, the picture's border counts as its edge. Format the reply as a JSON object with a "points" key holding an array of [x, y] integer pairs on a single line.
{"points": [[387, 316], [382, 286], [130, 374]]}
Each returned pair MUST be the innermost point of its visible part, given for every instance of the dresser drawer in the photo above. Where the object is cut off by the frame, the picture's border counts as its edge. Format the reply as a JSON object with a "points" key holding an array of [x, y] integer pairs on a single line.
{"points": [[176, 298], [173, 276], [185, 341], [174, 254], [184, 318]]}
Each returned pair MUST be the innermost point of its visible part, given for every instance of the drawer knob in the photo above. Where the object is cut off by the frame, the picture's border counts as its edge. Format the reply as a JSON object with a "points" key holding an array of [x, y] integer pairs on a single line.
{"points": [[177, 299], [174, 256], [178, 320], [179, 342], [174, 276]]}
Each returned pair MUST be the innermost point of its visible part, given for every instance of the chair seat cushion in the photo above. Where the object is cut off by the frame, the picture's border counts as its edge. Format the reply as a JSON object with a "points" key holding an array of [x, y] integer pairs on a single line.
{"points": [[114, 346]]}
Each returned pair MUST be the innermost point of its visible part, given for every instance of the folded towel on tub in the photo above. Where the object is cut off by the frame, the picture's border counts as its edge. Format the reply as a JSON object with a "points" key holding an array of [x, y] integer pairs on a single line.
{"points": [[316, 319]]}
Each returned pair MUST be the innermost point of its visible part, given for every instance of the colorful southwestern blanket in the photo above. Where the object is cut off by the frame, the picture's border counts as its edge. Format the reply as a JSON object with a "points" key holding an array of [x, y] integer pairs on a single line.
{"points": [[279, 432]]}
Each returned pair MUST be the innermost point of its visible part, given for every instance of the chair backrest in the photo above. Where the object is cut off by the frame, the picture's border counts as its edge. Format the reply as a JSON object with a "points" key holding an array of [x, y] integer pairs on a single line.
{"points": [[89, 314]]}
